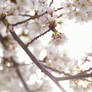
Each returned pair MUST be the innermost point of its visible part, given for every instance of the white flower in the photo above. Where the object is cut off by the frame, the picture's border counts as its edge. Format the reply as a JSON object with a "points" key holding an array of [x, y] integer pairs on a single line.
{"points": [[6, 6], [59, 39], [78, 9]]}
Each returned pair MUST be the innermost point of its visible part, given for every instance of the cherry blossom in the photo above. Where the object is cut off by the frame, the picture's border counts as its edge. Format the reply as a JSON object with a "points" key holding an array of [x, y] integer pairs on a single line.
{"points": [[34, 55]]}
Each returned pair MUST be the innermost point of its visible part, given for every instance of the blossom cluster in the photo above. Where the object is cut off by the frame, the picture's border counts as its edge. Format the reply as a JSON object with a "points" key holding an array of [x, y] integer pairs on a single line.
{"points": [[78, 9], [49, 49], [6, 7]]}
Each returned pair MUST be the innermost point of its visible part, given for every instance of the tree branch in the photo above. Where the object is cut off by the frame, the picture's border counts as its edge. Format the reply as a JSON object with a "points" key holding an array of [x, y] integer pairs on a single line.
{"points": [[33, 58], [51, 3], [78, 76], [55, 70], [37, 37], [30, 17]]}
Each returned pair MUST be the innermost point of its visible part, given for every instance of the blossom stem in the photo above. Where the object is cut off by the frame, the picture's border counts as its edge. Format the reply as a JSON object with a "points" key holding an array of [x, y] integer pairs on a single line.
{"points": [[35, 38]]}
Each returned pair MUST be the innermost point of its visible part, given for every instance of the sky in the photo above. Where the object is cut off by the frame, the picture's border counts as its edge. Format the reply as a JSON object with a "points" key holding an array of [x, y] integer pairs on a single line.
{"points": [[79, 38]]}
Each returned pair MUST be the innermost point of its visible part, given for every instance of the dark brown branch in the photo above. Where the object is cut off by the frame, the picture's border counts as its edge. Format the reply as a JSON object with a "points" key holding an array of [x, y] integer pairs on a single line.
{"points": [[78, 76], [58, 9], [37, 37], [1, 40], [30, 17], [19, 75], [33, 58], [51, 3], [55, 70], [84, 72]]}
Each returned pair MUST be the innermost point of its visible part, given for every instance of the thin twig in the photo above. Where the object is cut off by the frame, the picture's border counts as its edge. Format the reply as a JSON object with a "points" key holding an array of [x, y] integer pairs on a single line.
{"points": [[75, 77], [30, 17], [35, 38], [86, 80], [51, 3], [84, 72], [55, 70], [1, 40], [58, 9]]}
